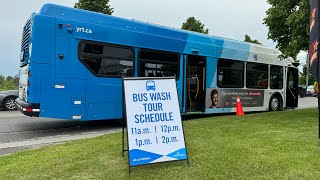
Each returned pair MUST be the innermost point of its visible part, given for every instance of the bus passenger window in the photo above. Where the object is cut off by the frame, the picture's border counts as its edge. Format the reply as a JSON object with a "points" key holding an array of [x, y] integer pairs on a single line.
{"points": [[93, 49], [92, 62], [230, 73], [257, 75], [150, 74], [106, 59], [276, 77], [158, 64]]}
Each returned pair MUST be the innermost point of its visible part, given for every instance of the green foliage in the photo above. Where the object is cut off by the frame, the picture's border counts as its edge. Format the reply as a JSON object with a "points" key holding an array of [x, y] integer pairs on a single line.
{"points": [[288, 23], [192, 24], [9, 83], [302, 76], [271, 145], [2, 78], [100, 6], [247, 38]]}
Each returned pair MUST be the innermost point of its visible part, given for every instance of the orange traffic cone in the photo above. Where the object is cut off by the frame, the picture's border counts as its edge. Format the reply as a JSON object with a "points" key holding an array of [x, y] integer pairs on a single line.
{"points": [[239, 110]]}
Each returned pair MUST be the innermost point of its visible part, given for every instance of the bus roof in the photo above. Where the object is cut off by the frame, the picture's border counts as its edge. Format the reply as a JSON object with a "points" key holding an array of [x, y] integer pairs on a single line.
{"points": [[229, 48]]}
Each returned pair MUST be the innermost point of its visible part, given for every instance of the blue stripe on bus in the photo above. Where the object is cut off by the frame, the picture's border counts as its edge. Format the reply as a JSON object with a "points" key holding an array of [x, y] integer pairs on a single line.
{"points": [[211, 80], [235, 50], [209, 46]]}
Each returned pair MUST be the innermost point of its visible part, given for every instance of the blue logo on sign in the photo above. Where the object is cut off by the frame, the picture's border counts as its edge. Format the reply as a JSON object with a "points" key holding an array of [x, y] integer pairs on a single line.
{"points": [[255, 57], [150, 85]]}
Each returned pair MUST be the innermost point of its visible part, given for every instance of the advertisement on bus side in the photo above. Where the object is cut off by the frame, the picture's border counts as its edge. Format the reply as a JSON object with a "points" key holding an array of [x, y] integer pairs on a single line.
{"points": [[227, 98]]}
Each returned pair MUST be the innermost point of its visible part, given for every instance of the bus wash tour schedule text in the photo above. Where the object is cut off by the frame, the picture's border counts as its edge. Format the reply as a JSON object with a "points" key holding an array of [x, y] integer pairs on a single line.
{"points": [[154, 120]]}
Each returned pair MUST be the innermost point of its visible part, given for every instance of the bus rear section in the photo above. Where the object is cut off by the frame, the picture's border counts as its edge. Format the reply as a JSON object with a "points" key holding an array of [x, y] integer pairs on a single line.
{"points": [[27, 102], [42, 91], [57, 78], [50, 84]]}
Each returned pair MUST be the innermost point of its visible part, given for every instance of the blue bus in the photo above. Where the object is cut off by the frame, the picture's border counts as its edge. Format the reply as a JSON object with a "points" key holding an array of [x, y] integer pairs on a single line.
{"points": [[73, 62]]}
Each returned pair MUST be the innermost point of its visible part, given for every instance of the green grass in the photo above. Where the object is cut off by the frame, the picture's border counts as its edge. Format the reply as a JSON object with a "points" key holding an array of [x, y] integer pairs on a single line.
{"points": [[273, 145]]}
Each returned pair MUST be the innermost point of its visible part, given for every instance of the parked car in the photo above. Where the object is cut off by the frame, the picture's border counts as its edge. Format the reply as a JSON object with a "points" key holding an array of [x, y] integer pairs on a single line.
{"points": [[310, 91], [7, 99], [302, 90]]}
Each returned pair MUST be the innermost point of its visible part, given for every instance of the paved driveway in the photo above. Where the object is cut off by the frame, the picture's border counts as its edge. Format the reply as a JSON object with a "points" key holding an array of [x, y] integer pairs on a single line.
{"points": [[307, 102]]}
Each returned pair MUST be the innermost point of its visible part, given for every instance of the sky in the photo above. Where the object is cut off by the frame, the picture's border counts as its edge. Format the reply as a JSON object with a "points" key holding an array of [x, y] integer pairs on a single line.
{"points": [[229, 19]]}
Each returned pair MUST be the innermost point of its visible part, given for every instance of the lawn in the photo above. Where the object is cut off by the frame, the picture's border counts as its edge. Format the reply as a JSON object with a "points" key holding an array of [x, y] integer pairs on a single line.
{"points": [[271, 145]]}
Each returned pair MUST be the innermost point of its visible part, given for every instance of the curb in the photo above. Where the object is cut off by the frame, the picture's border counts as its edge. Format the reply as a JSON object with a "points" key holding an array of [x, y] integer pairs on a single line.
{"points": [[56, 139]]}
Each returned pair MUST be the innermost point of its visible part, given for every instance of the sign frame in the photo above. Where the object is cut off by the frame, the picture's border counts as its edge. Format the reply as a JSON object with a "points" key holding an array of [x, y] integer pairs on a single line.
{"points": [[125, 122]]}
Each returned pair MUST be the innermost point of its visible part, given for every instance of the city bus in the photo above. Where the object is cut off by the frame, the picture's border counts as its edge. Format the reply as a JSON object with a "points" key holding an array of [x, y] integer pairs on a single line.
{"points": [[73, 62]]}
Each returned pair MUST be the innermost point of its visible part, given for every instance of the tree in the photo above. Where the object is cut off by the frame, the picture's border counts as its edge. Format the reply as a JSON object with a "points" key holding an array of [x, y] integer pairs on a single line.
{"points": [[192, 24], [247, 38], [8, 78], [302, 76], [15, 79], [2, 78], [100, 6], [9, 83], [288, 23]]}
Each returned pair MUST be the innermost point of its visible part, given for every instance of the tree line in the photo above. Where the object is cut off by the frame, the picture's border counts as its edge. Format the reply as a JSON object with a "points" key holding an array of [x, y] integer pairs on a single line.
{"points": [[9, 82]]}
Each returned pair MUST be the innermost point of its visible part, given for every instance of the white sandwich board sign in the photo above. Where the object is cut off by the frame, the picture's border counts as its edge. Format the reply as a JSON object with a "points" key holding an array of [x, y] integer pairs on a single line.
{"points": [[154, 127]]}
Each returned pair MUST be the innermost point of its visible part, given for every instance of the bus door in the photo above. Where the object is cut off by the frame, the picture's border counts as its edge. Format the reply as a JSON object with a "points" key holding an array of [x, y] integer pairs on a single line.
{"points": [[196, 73], [292, 88]]}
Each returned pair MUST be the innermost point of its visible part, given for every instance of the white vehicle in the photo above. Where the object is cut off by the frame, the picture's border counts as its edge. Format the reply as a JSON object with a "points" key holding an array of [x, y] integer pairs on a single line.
{"points": [[310, 91]]}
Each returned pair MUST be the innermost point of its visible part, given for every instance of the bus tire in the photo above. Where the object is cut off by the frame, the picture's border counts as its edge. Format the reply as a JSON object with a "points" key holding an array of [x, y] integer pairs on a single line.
{"points": [[275, 103]]}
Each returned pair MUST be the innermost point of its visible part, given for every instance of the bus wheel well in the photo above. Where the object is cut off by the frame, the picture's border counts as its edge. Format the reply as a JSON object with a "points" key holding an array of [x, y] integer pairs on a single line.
{"points": [[276, 102]]}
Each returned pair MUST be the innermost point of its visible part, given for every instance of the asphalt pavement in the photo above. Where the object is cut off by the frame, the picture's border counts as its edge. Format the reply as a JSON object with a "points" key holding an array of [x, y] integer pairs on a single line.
{"points": [[19, 132], [307, 102]]}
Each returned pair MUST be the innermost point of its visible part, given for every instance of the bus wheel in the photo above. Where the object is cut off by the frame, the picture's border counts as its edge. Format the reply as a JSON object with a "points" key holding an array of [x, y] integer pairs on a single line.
{"points": [[274, 104]]}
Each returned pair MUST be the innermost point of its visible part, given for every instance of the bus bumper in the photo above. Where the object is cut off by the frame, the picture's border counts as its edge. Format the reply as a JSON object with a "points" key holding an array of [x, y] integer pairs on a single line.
{"points": [[28, 109]]}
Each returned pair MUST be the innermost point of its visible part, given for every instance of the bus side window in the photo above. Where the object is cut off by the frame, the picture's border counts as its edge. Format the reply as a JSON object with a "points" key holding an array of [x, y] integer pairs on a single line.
{"points": [[158, 74], [150, 74], [230, 73], [257, 75], [276, 77], [158, 63], [104, 59]]}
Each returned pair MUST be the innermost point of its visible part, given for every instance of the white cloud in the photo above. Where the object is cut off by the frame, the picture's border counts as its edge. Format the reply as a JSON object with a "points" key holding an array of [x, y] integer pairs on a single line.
{"points": [[302, 56]]}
